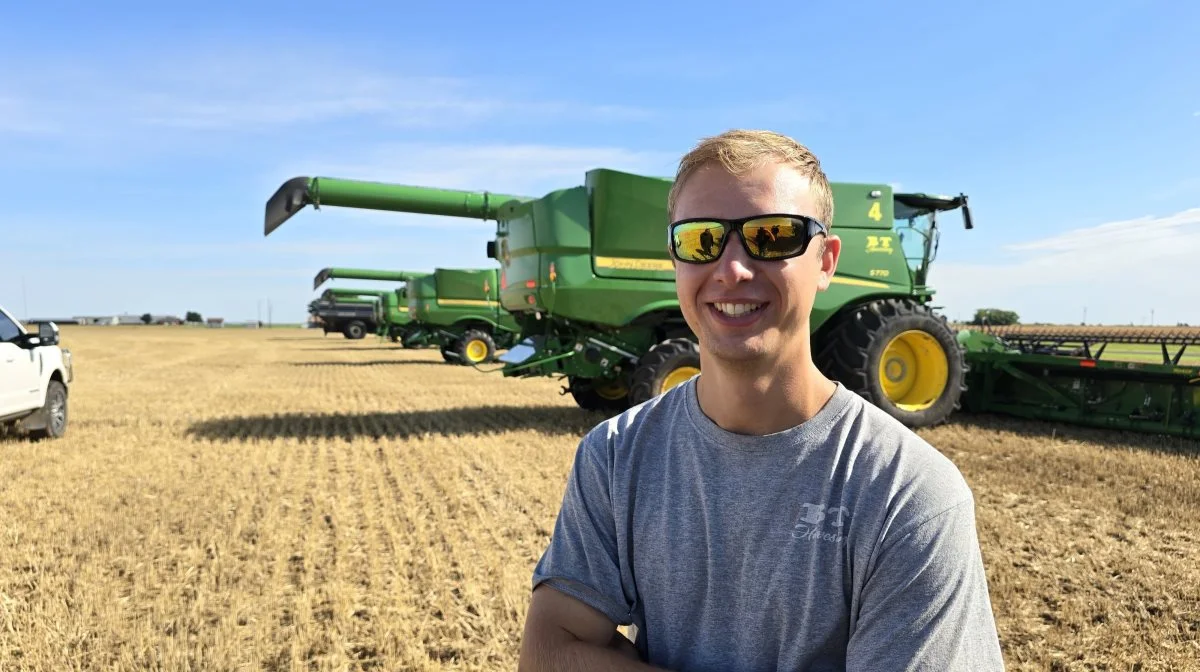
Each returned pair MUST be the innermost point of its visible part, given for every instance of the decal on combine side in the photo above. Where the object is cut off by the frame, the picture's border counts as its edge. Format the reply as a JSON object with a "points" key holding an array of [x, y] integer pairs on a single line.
{"points": [[879, 244], [876, 212]]}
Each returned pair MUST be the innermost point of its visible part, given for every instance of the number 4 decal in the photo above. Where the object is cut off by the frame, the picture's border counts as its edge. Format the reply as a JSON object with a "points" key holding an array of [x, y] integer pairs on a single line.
{"points": [[876, 212]]}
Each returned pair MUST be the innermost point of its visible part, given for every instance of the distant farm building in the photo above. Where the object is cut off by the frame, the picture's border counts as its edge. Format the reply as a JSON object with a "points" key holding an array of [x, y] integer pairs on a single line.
{"points": [[215, 322]]}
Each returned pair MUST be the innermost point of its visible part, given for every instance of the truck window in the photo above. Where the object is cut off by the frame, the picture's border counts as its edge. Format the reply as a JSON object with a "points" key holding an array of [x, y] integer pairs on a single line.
{"points": [[8, 330]]}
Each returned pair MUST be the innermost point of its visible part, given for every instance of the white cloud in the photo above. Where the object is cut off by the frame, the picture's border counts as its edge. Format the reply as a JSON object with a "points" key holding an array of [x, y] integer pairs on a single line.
{"points": [[195, 99], [1119, 271]]}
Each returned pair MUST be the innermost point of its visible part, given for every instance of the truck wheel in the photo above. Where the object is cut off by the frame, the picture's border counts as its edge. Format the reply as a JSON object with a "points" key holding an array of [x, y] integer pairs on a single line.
{"points": [[898, 355], [666, 365], [355, 330], [53, 413], [597, 394], [475, 347]]}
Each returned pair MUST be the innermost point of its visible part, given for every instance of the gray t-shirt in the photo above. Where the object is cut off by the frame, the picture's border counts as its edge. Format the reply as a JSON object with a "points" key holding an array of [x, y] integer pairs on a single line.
{"points": [[845, 543]]}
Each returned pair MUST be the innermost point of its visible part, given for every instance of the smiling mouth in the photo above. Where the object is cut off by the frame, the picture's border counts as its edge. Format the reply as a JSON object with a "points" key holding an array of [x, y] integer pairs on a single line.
{"points": [[737, 309]]}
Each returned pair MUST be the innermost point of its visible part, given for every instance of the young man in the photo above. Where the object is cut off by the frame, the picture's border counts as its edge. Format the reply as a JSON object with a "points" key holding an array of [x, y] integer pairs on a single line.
{"points": [[759, 516]]}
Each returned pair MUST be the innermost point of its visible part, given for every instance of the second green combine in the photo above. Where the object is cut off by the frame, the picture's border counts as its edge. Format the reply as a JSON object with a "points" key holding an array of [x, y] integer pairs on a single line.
{"points": [[456, 310], [391, 315]]}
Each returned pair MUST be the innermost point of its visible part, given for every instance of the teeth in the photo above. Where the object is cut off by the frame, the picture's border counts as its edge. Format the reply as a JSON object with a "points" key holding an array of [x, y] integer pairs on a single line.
{"points": [[736, 309]]}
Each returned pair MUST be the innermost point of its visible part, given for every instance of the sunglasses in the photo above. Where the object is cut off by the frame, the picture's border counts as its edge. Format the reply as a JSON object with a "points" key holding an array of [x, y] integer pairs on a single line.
{"points": [[764, 237]]}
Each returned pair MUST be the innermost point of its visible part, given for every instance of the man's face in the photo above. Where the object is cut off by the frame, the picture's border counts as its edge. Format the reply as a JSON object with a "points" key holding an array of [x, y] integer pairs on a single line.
{"points": [[783, 291]]}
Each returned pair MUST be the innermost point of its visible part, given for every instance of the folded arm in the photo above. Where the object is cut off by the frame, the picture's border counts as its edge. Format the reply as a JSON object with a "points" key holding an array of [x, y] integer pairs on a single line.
{"points": [[566, 635]]}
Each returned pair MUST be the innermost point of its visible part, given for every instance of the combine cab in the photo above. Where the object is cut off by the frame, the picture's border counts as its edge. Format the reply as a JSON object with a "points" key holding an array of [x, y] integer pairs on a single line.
{"points": [[586, 272], [391, 313], [459, 310]]}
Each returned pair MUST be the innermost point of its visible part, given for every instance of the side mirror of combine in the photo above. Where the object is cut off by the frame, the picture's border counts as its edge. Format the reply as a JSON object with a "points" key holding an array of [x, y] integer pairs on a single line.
{"points": [[491, 249], [967, 218]]}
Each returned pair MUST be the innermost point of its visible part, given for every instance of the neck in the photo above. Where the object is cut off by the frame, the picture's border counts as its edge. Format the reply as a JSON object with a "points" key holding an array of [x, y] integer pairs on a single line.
{"points": [[762, 400]]}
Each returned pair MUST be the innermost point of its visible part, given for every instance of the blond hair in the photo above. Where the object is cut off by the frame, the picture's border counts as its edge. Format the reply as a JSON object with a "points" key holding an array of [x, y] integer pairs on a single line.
{"points": [[738, 151]]}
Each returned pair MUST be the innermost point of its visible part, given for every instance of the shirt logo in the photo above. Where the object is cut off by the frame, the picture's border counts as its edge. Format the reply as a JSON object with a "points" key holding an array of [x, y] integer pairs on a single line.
{"points": [[821, 522]]}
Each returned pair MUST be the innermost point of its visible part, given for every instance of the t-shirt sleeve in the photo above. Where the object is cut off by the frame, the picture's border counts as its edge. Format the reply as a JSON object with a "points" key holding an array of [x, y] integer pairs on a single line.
{"points": [[582, 558], [926, 605]]}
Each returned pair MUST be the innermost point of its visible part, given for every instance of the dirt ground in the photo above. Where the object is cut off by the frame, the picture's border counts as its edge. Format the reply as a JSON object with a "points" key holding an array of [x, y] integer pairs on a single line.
{"points": [[277, 500]]}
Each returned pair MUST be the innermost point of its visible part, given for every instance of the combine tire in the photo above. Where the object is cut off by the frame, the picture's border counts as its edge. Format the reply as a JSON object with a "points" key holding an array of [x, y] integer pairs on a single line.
{"points": [[355, 330], [476, 347], [593, 394], [898, 355], [666, 365]]}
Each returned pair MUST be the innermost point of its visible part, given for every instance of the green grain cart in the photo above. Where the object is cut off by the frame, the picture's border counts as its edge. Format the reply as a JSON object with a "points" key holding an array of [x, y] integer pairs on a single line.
{"points": [[459, 309], [391, 314]]}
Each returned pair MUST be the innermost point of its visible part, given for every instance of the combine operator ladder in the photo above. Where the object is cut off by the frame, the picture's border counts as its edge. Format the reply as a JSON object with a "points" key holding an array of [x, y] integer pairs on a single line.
{"points": [[1060, 374]]}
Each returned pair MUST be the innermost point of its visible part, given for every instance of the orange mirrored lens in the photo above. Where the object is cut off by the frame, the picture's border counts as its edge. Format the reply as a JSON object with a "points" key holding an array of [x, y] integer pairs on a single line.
{"points": [[772, 237], [698, 241]]}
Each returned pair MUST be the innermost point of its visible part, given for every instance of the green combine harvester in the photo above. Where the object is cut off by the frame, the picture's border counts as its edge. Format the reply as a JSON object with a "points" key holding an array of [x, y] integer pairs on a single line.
{"points": [[590, 280], [585, 273], [391, 313], [457, 310]]}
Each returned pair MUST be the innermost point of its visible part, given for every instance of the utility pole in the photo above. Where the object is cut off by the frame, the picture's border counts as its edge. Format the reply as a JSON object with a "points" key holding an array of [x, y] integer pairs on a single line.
{"points": [[1085, 315], [269, 313]]}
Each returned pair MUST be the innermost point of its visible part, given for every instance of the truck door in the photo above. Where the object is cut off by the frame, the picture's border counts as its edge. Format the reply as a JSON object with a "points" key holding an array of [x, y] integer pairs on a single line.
{"points": [[18, 372]]}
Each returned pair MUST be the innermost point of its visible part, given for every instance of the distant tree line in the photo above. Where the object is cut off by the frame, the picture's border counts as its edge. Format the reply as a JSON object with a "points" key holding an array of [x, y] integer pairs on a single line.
{"points": [[995, 317]]}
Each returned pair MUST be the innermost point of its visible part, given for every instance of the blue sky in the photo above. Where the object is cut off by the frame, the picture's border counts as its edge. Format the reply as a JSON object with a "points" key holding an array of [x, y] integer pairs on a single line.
{"points": [[141, 140]]}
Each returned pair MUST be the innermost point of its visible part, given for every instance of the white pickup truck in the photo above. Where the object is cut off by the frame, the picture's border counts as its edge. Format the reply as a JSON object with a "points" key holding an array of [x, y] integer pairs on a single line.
{"points": [[34, 376]]}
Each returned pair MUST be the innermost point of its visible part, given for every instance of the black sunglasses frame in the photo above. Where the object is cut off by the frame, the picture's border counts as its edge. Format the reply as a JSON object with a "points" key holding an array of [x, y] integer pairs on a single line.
{"points": [[812, 229]]}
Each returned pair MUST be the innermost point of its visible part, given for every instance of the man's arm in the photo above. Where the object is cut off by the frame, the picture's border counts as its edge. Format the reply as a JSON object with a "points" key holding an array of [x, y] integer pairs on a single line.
{"points": [[926, 603], [566, 635], [572, 626]]}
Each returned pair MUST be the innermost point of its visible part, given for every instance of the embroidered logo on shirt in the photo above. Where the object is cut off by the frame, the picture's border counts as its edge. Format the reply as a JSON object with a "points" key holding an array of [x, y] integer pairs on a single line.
{"points": [[821, 522]]}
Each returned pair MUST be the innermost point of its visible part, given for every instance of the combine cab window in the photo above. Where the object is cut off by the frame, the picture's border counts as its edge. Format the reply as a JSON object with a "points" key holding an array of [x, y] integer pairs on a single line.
{"points": [[912, 234]]}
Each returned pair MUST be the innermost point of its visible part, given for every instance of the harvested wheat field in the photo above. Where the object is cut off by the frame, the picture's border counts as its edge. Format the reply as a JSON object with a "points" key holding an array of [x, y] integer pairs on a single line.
{"points": [[275, 500]]}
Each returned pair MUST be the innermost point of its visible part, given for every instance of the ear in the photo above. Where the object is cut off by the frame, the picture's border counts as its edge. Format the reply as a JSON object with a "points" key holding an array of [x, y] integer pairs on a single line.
{"points": [[828, 261]]}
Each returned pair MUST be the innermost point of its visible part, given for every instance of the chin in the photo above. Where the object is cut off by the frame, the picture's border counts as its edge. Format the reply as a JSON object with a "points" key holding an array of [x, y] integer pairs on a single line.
{"points": [[736, 350]]}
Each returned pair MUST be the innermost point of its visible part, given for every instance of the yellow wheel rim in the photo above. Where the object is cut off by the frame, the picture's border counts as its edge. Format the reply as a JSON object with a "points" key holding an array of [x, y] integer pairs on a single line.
{"points": [[914, 370], [476, 350], [610, 390], [680, 375]]}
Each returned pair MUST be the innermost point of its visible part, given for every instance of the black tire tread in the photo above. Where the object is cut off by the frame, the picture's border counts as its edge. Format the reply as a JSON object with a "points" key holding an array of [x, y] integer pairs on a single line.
{"points": [[651, 365], [844, 348], [472, 335]]}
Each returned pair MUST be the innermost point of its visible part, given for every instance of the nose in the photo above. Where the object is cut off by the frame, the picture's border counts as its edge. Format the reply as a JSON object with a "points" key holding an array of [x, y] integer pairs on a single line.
{"points": [[734, 265]]}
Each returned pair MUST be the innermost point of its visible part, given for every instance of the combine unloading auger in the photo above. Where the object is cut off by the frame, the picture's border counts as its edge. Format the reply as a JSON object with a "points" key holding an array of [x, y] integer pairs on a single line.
{"points": [[298, 192], [327, 274], [477, 315], [1060, 374]]}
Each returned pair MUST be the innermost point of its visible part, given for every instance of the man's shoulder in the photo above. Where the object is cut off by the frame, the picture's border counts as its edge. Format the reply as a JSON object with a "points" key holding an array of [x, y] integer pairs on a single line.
{"points": [[890, 461], [645, 421]]}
